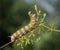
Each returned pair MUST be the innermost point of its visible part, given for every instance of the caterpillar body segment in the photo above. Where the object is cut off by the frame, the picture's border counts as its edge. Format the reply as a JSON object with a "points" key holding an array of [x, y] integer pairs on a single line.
{"points": [[25, 29]]}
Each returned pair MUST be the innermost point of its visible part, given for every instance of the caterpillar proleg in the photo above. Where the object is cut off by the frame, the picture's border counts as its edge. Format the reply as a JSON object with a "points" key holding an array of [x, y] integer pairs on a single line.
{"points": [[25, 29]]}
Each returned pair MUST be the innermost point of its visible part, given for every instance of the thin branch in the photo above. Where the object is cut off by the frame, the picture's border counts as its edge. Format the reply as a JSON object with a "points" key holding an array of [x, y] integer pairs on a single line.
{"points": [[51, 29]]}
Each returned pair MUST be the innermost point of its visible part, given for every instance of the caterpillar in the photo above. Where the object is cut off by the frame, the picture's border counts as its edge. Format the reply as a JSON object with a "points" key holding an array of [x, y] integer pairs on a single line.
{"points": [[26, 28]]}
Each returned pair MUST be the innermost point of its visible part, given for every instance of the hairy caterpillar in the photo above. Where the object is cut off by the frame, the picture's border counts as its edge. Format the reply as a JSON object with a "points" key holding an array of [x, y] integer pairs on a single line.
{"points": [[25, 29]]}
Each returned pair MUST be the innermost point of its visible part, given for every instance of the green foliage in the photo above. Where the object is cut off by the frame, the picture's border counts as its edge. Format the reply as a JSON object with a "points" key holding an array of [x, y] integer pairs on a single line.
{"points": [[34, 36]]}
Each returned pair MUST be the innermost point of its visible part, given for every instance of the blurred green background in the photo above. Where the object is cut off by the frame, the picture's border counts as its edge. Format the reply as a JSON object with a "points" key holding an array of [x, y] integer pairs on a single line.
{"points": [[14, 15]]}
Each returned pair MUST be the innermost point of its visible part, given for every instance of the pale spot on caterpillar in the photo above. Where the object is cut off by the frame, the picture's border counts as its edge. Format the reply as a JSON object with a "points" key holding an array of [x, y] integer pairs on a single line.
{"points": [[30, 26], [18, 32], [25, 29]]}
